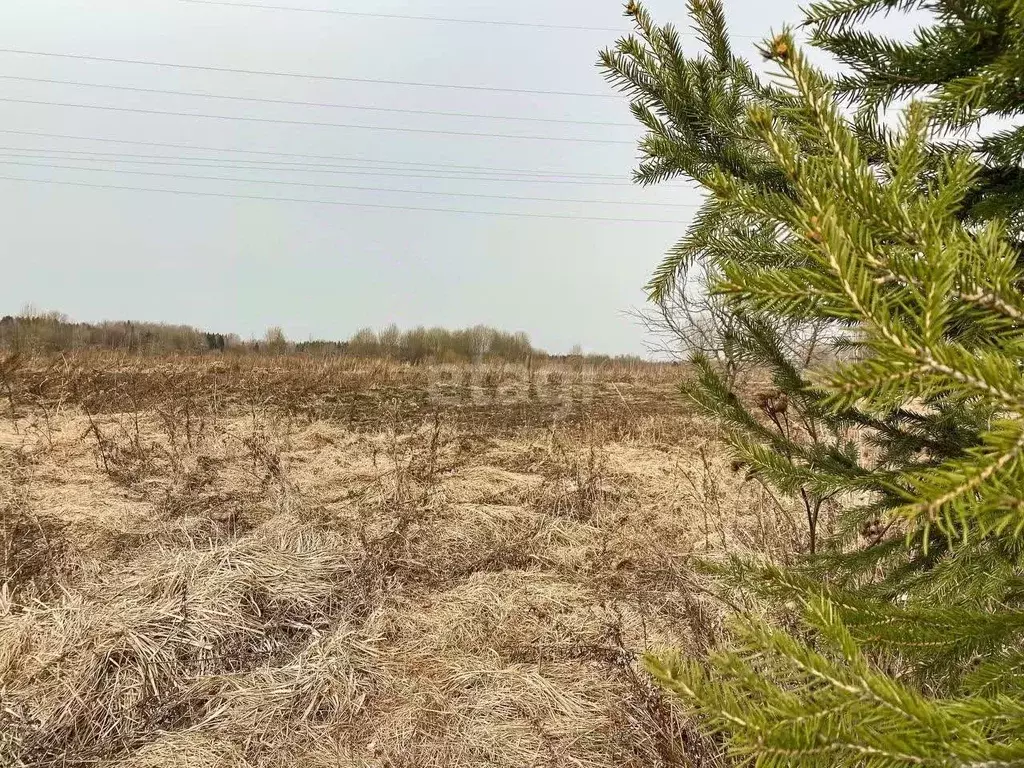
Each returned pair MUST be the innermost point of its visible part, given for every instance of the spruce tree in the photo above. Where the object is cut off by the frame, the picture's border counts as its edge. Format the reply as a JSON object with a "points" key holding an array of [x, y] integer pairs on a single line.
{"points": [[905, 243]]}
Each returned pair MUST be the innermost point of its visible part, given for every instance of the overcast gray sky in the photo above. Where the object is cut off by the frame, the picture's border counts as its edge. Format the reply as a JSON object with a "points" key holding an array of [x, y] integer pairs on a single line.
{"points": [[235, 264]]}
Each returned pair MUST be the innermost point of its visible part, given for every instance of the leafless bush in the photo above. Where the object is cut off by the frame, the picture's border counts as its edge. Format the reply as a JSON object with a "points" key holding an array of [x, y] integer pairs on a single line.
{"points": [[704, 492], [578, 486], [121, 449]]}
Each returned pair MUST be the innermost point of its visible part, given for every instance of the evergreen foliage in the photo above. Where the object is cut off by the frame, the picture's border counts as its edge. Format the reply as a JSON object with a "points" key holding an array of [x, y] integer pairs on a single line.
{"points": [[904, 243]]}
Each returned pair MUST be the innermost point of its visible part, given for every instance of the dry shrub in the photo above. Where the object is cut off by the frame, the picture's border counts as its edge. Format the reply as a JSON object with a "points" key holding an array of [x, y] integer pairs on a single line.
{"points": [[101, 673], [34, 553], [468, 538], [516, 668], [577, 484], [125, 456], [323, 688], [506, 613]]}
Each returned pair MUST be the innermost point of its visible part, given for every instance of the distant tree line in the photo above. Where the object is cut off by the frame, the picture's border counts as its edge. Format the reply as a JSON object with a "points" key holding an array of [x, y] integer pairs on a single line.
{"points": [[53, 332], [419, 345], [47, 332]]}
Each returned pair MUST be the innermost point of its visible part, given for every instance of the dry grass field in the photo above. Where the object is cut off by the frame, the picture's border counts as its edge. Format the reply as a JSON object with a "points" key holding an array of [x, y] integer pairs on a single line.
{"points": [[278, 562]]}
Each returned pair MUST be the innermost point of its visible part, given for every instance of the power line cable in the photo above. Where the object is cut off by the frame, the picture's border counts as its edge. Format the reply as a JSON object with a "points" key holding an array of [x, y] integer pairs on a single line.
{"points": [[28, 152], [382, 206], [407, 17], [313, 123], [291, 165], [305, 76], [271, 153], [348, 187], [288, 102]]}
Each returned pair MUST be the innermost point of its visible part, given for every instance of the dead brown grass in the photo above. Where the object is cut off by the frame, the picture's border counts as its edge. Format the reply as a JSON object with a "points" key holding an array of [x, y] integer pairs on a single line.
{"points": [[278, 562]]}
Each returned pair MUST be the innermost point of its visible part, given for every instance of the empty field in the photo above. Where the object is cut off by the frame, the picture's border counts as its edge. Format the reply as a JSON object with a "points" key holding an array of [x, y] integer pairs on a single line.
{"points": [[259, 562]]}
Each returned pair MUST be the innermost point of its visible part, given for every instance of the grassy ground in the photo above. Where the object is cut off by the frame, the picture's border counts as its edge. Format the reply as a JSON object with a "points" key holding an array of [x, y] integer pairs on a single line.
{"points": [[273, 562]]}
